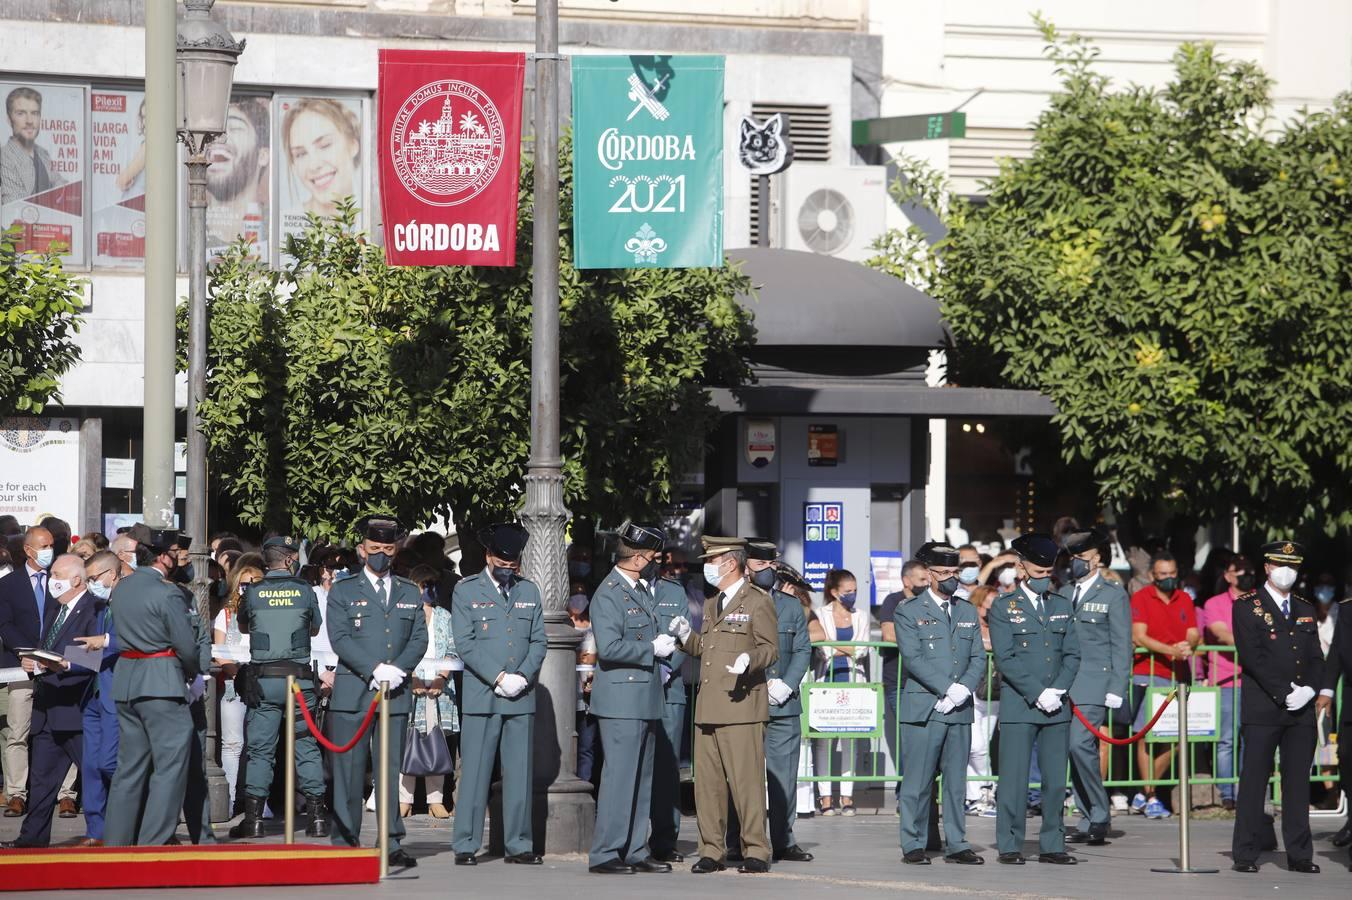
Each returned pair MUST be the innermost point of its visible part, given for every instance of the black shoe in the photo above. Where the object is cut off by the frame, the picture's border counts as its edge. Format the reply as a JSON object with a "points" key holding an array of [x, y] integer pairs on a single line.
{"points": [[1057, 859], [793, 854], [251, 826], [466, 859], [1303, 866], [1343, 838], [524, 859], [1011, 859], [1034, 811], [1248, 867], [651, 866], [915, 858], [1098, 837], [612, 867], [965, 858], [319, 817], [753, 866], [401, 860], [1077, 837], [1228, 805], [15, 845], [733, 856], [706, 865], [669, 856]]}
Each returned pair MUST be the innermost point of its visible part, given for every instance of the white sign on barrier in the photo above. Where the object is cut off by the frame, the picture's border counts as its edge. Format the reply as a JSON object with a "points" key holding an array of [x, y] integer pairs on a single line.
{"points": [[843, 709], [1204, 715]]}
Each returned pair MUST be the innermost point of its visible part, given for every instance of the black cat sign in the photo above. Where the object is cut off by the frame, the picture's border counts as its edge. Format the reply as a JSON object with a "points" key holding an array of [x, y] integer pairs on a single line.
{"points": [[764, 147]]}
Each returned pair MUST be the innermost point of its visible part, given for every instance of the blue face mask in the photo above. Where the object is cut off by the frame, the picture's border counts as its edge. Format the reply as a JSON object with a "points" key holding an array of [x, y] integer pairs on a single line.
{"points": [[1324, 594], [100, 590], [579, 568], [44, 558], [848, 600]]}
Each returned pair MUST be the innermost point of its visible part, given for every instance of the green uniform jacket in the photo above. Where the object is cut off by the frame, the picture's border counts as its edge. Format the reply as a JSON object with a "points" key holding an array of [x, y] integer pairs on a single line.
{"points": [[1033, 653], [150, 617], [1103, 627], [936, 652], [795, 652], [365, 633], [746, 626], [280, 614], [495, 634], [628, 681], [671, 603]]}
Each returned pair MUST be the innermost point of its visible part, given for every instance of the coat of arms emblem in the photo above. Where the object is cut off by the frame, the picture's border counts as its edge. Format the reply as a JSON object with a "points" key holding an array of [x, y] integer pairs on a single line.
{"points": [[447, 142]]}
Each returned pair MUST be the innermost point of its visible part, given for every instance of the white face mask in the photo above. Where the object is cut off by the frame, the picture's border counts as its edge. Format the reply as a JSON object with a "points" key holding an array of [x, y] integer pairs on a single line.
{"points": [[1283, 577], [5, 570], [1006, 578], [59, 586], [711, 573], [968, 574]]}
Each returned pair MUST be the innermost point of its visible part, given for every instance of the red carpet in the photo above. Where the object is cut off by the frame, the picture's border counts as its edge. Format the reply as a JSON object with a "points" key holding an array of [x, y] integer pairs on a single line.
{"points": [[219, 865]]}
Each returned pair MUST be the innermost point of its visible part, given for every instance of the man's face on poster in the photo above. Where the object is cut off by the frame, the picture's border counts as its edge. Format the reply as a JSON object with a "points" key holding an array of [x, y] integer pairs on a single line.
{"points": [[25, 118], [234, 158]]}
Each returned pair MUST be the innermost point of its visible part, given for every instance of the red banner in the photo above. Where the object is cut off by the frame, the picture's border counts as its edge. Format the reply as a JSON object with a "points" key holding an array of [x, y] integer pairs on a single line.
{"points": [[450, 156]]}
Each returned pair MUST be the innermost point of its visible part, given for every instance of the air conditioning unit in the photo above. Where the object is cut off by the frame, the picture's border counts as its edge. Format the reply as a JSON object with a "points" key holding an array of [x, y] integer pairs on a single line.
{"points": [[832, 210]]}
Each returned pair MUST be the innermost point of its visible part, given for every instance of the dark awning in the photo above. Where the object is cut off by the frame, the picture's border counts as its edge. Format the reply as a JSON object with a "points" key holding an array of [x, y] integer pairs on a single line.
{"points": [[810, 300], [869, 397]]}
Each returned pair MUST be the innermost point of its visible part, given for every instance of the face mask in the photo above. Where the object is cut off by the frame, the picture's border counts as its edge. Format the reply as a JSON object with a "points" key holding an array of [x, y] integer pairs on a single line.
{"points": [[1245, 581], [713, 573], [948, 585], [763, 579], [59, 586], [427, 597], [100, 590], [44, 558], [5, 570], [1324, 594], [1283, 577], [1039, 585], [968, 574], [1166, 585], [577, 604], [378, 562], [1079, 568], [132, 563], [649, 570], [503, 575], [1006, 578], [848, 600], [579, 569], [1191, 592]]}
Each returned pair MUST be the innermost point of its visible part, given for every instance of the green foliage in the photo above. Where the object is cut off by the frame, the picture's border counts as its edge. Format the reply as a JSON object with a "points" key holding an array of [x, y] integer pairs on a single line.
{"points": [[1175, 276], [40, 313], [342, 385]]}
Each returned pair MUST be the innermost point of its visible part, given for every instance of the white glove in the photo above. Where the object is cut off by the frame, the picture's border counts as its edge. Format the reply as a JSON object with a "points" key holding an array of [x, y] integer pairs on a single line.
{"points": [[779, 691], [1112, 701], [680, 627], [1049, 701], [512, 685], [663, 646], [944, 706], [958, 693], [739, 665], [1300, 695], [387, 672]]}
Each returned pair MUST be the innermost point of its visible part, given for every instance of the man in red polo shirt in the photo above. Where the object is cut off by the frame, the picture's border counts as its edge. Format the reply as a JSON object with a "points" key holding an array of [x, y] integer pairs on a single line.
{"points": [[1163, 622]]}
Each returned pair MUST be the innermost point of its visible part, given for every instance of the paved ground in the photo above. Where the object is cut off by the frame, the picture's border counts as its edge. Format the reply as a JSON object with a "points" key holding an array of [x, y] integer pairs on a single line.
{"points": [[853, 855]]}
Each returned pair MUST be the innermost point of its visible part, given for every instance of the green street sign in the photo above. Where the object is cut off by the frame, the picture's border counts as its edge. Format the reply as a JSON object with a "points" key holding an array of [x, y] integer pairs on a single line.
{"points": [[909, 128], [647, 162]]}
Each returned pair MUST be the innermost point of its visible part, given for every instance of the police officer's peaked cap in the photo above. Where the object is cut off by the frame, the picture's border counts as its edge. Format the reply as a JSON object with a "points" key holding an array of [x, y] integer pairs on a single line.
{"points": [[937, 553], [140, 532], [381, 529], [761, 548], [1083, 541], [717, 546], [183, 542], [285, 541], [1284, 553], [505, 540], [642, 537], [1036, 548], [161, 540]]}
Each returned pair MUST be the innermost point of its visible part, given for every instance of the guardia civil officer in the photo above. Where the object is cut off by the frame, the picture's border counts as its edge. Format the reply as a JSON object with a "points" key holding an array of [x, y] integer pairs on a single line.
{"points": [[280, 614], [627, 701], [939, 638], [378, 630], [784, 730], [150, 687], [1338, 664], [672, 603], [1102, 613], [1037, 651], [499, 629], [1277, 644], [736, 644]]}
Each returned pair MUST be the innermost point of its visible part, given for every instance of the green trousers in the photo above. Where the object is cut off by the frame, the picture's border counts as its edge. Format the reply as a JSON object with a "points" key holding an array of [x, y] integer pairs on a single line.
{"points": [[154, 737], [349, 775], [261, 728], [1016, 754], [930, 747], [484, 738]]}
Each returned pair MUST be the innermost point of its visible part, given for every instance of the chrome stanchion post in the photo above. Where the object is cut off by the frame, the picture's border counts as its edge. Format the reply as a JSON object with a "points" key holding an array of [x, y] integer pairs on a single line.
{"points": [[1183, 803], [290, 759], [383, 782]]}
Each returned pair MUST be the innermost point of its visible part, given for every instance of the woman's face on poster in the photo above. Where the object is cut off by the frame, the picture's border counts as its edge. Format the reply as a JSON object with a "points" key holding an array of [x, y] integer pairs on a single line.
{"points": [[322, 157]]}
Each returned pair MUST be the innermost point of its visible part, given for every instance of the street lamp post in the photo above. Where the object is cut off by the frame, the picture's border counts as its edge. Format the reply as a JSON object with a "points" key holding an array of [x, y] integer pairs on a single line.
{"points": [[206, 64]]}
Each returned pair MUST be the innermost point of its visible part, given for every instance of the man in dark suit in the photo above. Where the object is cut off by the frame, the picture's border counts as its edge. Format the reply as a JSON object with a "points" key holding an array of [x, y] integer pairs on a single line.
{"points": [[1338, 663], [1278, 647], [24, 604], [58, 699], [103, 572]]}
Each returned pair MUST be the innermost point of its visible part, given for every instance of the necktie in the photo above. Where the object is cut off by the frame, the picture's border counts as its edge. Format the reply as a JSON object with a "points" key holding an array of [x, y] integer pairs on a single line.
{"points": [[719, 606], [1286, 607], [504, 587], [56, 627], [1075, 603], [40, 592], [381, 595], [948, 614]]}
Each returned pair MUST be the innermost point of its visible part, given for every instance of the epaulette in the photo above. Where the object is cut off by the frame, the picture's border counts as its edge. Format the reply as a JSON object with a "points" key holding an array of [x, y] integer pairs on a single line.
{"points": [[1345, 600], [402, 580], [1251, 595]]}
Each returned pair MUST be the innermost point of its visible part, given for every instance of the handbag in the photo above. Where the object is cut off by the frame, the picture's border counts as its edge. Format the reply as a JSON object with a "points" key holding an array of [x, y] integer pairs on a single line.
{"points": [[426, 754]]}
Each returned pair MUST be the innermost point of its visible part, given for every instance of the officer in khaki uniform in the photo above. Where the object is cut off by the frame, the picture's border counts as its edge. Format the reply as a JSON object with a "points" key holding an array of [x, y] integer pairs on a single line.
{"points": [[736, 644], [280, 614], [498, 623], [627, 702], [1037, 653], [666, 804], [378, 630]]}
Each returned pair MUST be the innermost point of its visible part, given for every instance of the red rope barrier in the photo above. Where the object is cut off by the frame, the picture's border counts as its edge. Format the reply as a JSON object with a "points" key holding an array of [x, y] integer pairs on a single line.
{"points": [[325, 742], [1118, 742]]}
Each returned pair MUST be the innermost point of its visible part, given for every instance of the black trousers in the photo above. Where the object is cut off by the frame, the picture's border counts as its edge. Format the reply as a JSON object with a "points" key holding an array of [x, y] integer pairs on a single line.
{"points": [[1260, 743]]}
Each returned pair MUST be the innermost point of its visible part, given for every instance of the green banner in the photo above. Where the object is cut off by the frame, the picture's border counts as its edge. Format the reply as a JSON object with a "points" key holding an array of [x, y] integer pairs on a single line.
{"points": [[647, 162]]}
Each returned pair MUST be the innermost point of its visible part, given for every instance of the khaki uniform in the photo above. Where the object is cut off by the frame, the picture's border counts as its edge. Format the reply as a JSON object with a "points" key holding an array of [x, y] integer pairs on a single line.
{"points": [[730, 716]]}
